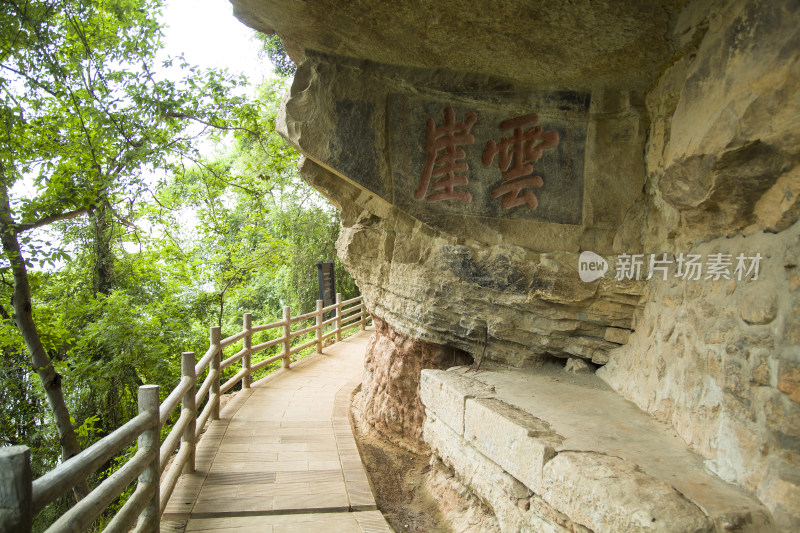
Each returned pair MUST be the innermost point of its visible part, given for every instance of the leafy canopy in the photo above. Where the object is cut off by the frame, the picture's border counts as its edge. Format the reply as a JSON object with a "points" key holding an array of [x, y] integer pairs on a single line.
{"points": [[86, 111]]}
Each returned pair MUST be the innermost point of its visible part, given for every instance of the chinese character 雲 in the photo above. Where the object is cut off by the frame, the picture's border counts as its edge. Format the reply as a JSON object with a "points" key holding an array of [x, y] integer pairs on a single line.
{"points": [[449, 166], [515, 157]]}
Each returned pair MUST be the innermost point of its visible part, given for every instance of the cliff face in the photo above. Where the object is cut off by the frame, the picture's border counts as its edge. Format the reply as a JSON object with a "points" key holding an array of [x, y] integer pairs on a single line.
{"points": [[658, 134]]}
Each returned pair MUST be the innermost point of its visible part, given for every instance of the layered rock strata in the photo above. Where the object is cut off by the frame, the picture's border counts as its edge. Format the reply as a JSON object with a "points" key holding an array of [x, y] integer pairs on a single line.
{"points": [[506, 302], [390, 400], [684, 118]]}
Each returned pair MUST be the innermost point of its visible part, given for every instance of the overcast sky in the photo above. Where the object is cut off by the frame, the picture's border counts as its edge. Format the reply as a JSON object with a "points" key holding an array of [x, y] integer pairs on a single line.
{"points": [[208, 35]]}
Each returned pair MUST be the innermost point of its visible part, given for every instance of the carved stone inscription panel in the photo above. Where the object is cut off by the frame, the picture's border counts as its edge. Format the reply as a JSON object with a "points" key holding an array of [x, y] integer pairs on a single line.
{"points": [[519, 158]]}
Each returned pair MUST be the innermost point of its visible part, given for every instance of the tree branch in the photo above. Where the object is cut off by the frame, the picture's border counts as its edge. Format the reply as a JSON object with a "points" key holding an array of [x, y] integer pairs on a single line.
{"points": [[26, 226], [185, 116]]}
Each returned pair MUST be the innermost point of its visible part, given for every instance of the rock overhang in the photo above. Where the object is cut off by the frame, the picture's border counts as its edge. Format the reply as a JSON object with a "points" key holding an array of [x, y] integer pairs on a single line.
{"points": [[372, 73], [690, 139], [446, 157], [580, 45]]}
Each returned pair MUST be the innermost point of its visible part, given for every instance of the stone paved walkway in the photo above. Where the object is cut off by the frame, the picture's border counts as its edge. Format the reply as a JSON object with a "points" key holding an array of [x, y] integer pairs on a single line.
{"points": [[282, 457]]}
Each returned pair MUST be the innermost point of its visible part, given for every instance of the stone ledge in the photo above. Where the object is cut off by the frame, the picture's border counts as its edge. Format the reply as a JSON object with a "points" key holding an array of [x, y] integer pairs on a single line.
{"points": [[517, 441], [449, 392], [607, 493], [501, 491], [581, 452]]}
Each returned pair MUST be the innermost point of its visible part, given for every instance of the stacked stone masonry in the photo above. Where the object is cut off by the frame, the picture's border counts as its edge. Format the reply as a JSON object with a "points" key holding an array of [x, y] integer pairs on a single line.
{"points": [[588, 478]]}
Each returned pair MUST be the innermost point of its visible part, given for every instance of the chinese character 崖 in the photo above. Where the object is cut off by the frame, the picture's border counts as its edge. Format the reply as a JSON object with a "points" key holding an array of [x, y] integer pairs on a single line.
{"points": [[447, 137], [515, 157]]}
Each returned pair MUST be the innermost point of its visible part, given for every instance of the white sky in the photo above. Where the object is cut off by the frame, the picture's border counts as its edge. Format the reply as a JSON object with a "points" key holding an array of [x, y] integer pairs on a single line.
{"points": [[208, 35]]}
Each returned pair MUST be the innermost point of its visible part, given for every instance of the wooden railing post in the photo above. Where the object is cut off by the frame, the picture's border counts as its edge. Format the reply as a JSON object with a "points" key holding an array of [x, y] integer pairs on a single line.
{"points": [[188, 404], [319, 325], [363, 321], [287, 340], [338, 317], [247, 345], [16, 489], [215, 338], [150, 440]]}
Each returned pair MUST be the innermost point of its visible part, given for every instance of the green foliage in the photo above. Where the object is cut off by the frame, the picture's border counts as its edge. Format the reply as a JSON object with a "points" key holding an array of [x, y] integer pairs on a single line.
{"points": [[84, 110], [273, 48], [147, 242]]}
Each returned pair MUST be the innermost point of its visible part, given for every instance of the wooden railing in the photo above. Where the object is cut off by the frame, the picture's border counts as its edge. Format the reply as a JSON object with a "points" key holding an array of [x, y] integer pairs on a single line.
{"points": [[21, 498]]}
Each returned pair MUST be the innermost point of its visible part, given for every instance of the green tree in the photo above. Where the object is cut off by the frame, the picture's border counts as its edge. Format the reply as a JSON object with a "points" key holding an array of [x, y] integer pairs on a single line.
{"points": [[272, 47], [260, 229], [87, 117]]}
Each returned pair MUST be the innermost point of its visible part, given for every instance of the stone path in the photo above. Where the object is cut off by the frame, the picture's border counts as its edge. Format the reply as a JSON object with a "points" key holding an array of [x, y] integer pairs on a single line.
{"points": [[282, 457]]}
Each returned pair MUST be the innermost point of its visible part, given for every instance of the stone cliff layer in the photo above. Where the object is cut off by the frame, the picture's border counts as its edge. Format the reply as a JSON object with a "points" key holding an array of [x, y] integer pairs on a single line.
{"points": [[684, 123]]}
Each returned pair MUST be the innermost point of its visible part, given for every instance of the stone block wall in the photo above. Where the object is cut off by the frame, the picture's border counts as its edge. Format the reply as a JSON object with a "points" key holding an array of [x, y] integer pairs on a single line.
{"points": [[718, 358], [535, 479]]}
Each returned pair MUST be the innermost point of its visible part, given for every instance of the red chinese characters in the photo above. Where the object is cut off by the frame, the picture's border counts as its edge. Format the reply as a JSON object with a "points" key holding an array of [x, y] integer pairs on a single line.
{"points": [[445, 171], [515, 158], [449, 167]]}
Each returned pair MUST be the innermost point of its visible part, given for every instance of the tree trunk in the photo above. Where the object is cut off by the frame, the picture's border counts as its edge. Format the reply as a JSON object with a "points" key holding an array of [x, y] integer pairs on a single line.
{"points": [[23, 316], [103, 268]]}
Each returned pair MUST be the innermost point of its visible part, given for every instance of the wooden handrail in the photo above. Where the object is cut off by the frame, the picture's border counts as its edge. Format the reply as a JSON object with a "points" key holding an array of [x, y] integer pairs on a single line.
{"points": [[61, 479], [126, 516], [265, 345], [84, 512], [203, 362], [300, 318], [174, 437], [169, 405], [351, 300], [266, 362], [150, 498], [232, 359], [265, 327], [233, 339], [301, 332], [205, 387]]}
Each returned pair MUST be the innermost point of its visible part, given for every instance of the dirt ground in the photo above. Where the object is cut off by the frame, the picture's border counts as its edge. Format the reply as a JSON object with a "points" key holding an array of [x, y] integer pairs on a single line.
{"points": [[415, 494]]}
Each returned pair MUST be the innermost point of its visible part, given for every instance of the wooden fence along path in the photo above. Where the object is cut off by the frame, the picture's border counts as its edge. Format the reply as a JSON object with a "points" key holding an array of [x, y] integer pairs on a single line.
{"points": [[21, 498]]}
